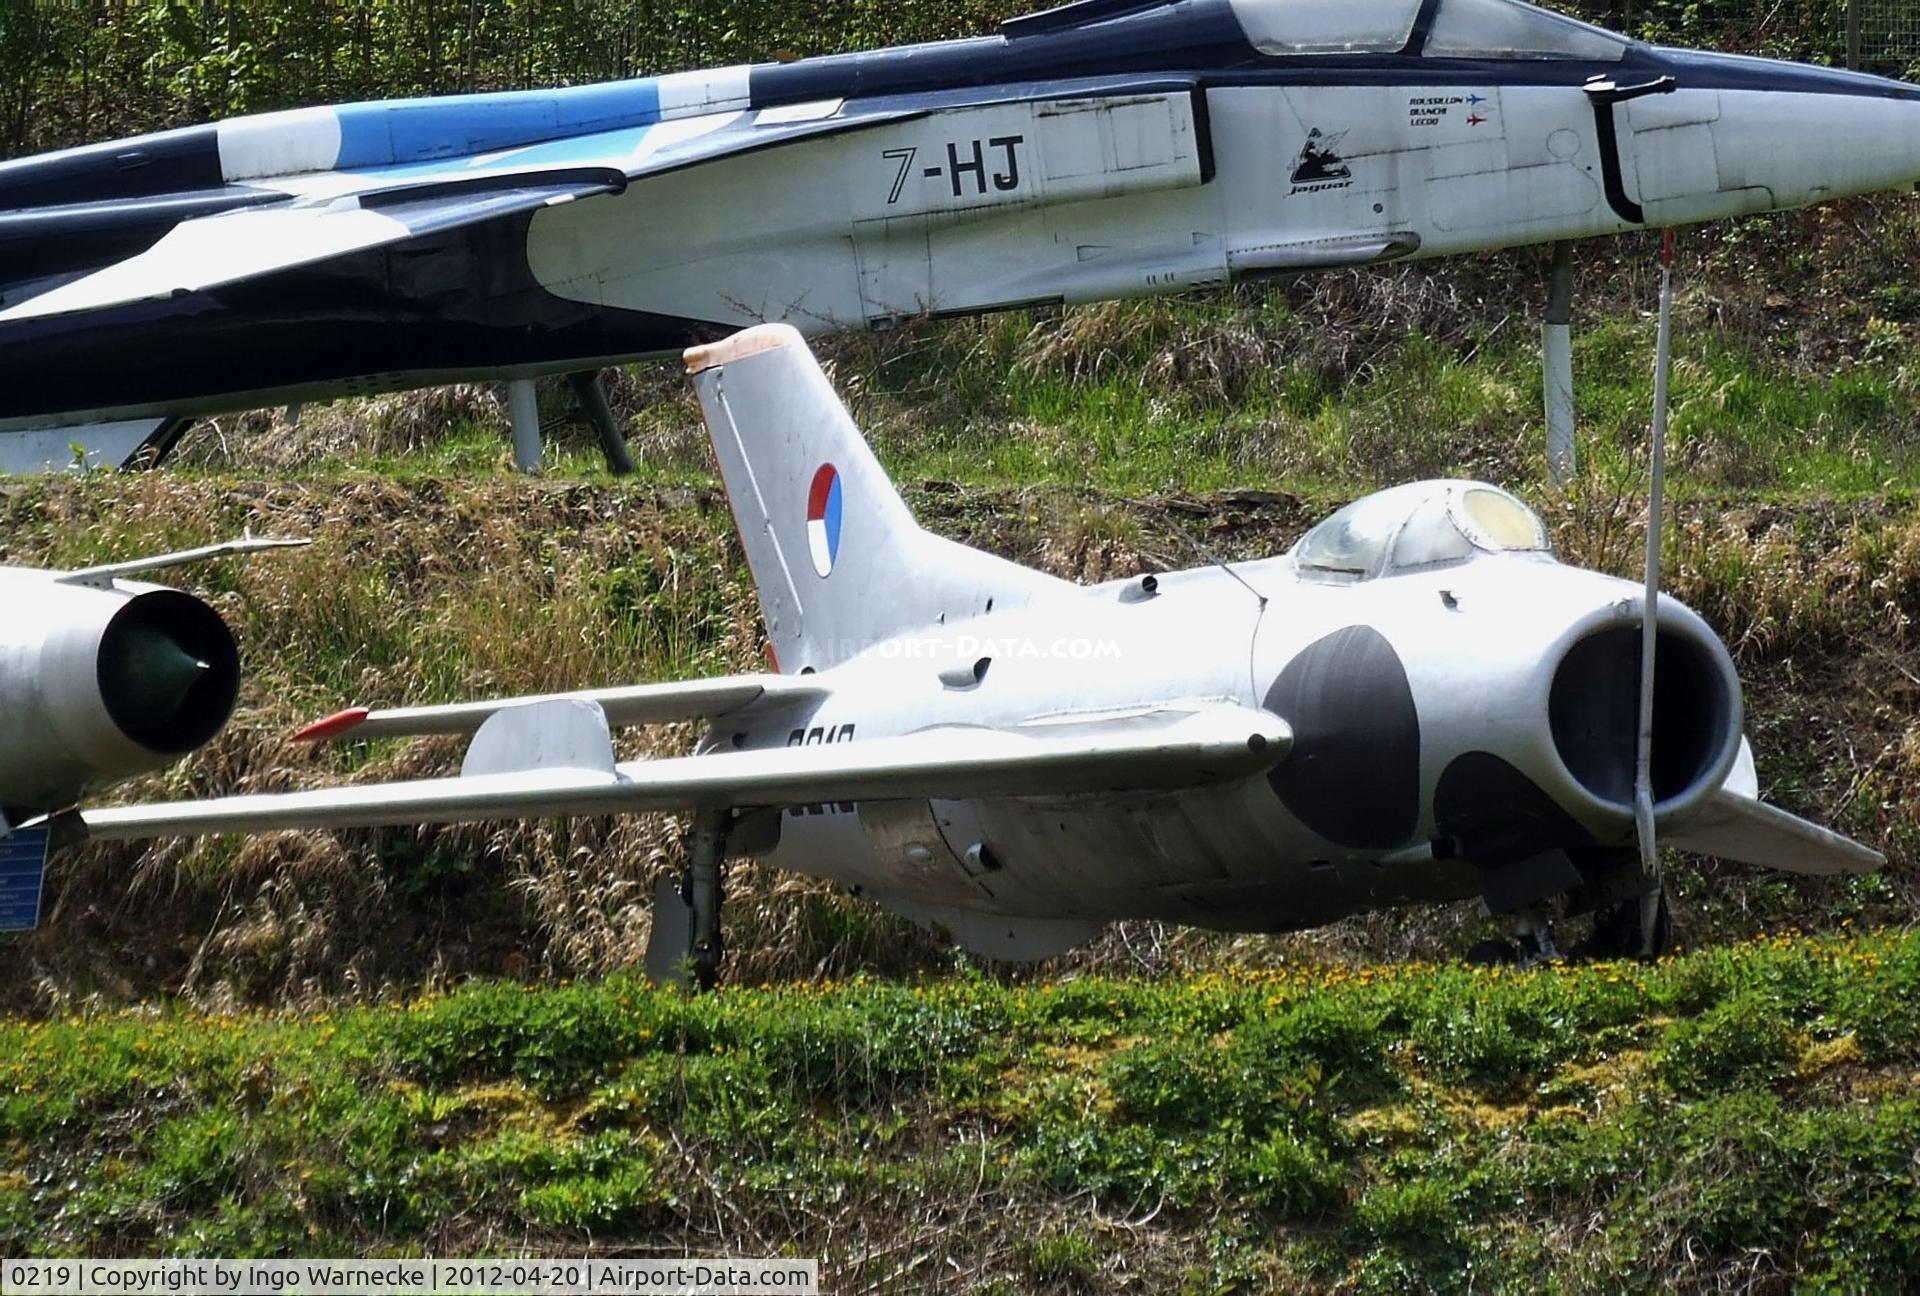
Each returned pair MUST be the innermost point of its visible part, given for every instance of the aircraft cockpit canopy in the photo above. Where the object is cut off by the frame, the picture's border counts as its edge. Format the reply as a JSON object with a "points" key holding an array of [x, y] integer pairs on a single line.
{"points": [[1416, 527], [1477, 29]]}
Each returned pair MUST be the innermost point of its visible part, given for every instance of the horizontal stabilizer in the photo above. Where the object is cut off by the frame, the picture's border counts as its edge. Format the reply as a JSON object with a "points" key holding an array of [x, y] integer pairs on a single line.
{"points": [[255, 241], [636, 704], [106, 573], [1166, 748], [1742, 828]]}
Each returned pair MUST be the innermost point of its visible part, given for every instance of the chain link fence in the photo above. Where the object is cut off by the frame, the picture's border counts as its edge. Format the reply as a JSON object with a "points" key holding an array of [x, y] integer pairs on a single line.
{"points": [[1884, 36]]}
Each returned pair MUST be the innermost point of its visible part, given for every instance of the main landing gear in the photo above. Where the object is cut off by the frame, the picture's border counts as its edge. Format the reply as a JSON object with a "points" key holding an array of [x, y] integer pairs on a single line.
{"points": [[687, 941]]}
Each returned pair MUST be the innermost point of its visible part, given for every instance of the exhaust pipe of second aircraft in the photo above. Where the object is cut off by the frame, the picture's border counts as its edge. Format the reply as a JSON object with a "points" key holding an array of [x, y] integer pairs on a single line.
{"points": [[117, 685]]}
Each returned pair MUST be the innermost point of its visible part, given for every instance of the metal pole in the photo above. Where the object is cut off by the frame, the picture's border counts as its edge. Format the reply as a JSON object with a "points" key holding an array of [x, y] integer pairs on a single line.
{"points": [[591, 392], [1853, 33], [523, 411], [1650, 615], [1556, 365]]}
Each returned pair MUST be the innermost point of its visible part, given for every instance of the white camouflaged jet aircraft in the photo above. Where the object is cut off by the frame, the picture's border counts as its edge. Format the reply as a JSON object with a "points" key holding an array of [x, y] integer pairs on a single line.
{"points": [[1417, 703]]}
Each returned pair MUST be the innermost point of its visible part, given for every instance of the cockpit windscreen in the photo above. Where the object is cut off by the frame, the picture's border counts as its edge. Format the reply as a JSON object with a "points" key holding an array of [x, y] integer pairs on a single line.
{"points": [[1508, 29], [1418, 526], [1327, 26], [1480, 29]]}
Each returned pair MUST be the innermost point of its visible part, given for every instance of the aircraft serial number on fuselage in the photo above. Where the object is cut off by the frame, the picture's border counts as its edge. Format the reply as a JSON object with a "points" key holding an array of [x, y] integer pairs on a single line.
{"points": [[811, 737], [973, 168]]}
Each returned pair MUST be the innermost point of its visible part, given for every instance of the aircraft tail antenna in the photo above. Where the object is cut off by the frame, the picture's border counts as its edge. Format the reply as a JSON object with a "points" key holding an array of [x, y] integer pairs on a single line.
{"points": [[1650, 610], [840, 564]]}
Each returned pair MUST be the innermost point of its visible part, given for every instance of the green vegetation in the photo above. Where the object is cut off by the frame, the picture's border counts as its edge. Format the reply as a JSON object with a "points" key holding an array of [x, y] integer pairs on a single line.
{"points": [[1733, 1113]]}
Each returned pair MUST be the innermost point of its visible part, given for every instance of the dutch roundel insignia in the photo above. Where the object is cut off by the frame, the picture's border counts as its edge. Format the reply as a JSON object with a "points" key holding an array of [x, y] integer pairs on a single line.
{"points": [[823, 518]]}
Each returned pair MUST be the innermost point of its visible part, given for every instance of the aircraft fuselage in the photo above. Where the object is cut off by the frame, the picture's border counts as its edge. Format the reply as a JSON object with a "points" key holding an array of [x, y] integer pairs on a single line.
{"points": [[1161, 152], [1429, 712]]}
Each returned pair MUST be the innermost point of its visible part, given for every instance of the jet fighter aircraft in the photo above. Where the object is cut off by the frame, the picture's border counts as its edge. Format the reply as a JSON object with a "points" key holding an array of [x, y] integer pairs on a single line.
{"points": [[102, 678], [1417, 703], [1109, 148]]}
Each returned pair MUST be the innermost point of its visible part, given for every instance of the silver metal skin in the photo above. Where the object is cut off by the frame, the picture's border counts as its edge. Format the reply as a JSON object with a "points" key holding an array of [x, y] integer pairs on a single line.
{"points": [[1415, 704]]}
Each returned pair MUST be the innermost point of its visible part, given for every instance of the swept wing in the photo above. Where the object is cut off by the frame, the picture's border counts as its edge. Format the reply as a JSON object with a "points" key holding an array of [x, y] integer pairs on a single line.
{"points": [[555, 758]]}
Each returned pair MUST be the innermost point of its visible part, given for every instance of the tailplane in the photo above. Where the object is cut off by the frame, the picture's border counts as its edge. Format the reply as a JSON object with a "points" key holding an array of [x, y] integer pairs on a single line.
{"points": [[839, 561]]}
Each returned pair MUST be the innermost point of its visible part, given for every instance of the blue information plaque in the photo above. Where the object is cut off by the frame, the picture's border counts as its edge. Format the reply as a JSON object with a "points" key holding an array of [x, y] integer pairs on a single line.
{"points": [[23, 870]]}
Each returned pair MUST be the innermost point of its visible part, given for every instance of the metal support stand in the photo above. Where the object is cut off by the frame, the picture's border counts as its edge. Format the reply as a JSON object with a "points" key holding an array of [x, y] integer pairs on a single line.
{"points": [[591, 392], [523, 410], [706, 853], [1556, 356]]}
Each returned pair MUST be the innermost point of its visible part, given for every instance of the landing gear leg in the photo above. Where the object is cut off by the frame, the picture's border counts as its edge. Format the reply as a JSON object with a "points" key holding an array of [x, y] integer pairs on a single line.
{"points": [[686, 914], [705, 855], [523, 412], [1656, 924], [591, 393]]}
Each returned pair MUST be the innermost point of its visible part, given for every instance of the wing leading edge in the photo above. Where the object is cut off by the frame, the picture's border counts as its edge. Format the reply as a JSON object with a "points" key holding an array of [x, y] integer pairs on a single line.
{"points": [[1736, 824], [633, 704]]}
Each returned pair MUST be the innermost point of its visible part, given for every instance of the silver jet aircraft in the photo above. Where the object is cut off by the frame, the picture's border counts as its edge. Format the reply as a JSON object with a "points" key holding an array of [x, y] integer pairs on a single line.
{"points": [[1417, 703], [1110, 148]]}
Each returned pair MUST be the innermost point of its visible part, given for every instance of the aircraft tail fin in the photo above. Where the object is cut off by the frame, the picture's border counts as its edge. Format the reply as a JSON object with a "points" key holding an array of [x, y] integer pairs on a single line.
{"points": [[839, 561]]}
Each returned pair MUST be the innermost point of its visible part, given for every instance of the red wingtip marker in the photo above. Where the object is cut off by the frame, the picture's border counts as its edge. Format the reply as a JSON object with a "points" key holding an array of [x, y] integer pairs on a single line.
{"points": [[333, 726]]}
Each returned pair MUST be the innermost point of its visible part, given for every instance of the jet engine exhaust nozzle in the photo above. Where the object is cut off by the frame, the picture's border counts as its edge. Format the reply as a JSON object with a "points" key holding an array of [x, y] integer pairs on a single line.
{"points": [[1593, 709], [169, 673]]}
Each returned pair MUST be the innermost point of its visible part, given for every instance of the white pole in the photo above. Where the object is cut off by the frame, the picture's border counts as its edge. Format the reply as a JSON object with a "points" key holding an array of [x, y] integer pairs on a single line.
{"points": [[1556, 366], [523, 411], [1650, 617]]}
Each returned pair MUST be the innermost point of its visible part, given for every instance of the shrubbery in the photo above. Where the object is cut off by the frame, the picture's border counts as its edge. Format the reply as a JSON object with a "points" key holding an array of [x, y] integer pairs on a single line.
{"points": [[1743, 1110]]}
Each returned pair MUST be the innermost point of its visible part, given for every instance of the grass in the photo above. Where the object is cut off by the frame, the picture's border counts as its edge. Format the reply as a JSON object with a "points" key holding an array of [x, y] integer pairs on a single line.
{"points": [[1720, 1116], [987, 403], [1797, 374]]}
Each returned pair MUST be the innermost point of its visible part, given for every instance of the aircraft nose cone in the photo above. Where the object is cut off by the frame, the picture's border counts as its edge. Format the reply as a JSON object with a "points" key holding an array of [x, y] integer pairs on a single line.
{"points": [[1798, 148]]}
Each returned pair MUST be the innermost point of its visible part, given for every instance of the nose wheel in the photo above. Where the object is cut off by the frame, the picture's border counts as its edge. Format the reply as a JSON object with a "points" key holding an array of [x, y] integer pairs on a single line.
{"points": [[1639, 927]]}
